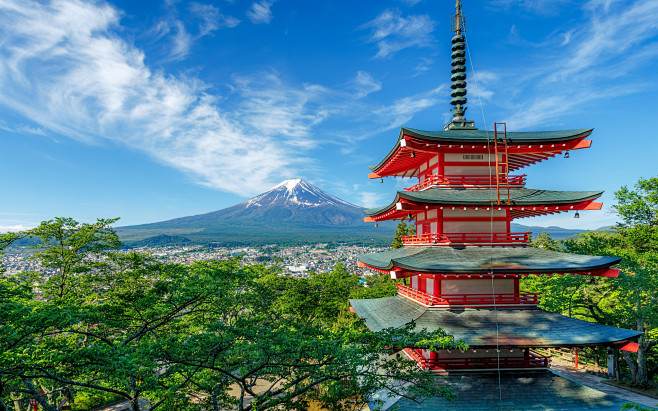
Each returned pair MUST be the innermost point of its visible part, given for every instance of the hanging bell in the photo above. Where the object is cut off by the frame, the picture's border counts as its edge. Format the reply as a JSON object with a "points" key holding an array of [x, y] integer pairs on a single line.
{"points": [[376, 225], [577, 215], [566, 154], [413, 154], [381, 180]]}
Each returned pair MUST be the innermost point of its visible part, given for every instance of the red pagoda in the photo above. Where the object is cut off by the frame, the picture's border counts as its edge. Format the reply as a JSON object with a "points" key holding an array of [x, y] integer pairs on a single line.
{"points": [[461, 269]]}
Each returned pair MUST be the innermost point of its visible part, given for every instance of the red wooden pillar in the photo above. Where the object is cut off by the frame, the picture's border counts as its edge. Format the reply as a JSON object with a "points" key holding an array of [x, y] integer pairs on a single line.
{"points": [[576, 359], [434, 358]]}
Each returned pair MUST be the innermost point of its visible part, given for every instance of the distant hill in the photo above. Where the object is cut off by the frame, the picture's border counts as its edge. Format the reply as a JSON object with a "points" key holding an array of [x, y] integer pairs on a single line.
{"points": [[292, 212]]}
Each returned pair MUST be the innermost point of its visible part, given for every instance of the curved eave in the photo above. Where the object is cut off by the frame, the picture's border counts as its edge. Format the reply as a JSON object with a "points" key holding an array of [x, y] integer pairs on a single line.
{"points": [[519, 197], [491, 328], [547, 144], [484, 260]]}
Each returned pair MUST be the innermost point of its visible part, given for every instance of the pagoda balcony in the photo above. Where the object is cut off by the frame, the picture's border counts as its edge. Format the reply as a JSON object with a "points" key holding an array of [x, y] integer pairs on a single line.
{"points": [[478, 181], [530, 360], [466, 239], [467, 300]]}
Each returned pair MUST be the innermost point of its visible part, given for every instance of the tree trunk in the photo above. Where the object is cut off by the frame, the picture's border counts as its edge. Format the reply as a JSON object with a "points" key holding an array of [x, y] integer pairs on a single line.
{"points": [[632, 364], [134, 404], [642, 376]]}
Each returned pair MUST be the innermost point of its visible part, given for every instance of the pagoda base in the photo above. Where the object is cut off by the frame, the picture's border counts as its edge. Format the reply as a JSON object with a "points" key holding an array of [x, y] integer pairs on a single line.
{"points": [[480, 360]]}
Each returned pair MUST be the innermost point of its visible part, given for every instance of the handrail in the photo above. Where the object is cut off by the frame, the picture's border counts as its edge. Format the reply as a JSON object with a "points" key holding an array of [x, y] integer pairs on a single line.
{"points": [[447, 300], [462, 238], [474, 180], [534, 360]]}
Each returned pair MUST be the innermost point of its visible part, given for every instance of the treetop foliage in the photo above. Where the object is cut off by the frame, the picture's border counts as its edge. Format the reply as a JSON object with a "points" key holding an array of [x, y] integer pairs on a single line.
{"points": [[211, 335]]}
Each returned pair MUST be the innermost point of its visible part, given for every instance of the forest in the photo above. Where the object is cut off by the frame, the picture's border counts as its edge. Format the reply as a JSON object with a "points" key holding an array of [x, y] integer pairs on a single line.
{"points": [[112, 324]]}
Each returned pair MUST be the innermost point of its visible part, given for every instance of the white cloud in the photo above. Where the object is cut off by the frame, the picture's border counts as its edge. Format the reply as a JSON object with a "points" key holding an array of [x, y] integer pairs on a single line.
{"points": [[598, 59], [14, 228], [181, 42], [211, 18], [402, 110], [62, 67], [261, 12], [364, 84], [370, 199], [392, 32], [66, 71], [545, 7]]}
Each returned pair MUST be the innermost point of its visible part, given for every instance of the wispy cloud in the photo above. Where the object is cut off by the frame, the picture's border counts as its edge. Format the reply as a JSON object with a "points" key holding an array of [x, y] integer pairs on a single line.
{"points": [[543, 7], [596, 59], [62, 67], [370, 199], [211, 19], [206, 19], [14, 228], [365, 84], [392, 32], [261, 12], [402, 110]]}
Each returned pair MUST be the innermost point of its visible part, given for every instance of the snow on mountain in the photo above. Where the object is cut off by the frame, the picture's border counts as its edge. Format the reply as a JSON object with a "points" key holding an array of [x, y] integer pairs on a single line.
{"points": [[295, 192]]}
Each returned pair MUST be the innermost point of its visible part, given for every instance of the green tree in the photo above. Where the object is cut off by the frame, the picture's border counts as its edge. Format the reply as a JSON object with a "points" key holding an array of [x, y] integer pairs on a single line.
{"points": [[213, 335], [638, 245], [402, 230], [71, 249]]}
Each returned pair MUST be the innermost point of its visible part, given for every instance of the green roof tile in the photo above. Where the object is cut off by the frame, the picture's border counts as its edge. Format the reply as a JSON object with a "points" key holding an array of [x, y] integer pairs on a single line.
{"points": [[509, 391], [482, 136], [531, 327], [485, 197], [481, 260]]}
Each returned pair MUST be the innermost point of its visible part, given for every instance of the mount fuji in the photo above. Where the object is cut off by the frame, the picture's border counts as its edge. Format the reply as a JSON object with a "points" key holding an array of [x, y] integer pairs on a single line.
{"points": [[293, 211]]}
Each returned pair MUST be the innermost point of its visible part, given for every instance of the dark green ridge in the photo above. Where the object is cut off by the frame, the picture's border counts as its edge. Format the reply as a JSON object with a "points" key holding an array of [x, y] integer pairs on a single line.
{"points": [[482, 136], [483, 260], [486, 197], [530, 327]]}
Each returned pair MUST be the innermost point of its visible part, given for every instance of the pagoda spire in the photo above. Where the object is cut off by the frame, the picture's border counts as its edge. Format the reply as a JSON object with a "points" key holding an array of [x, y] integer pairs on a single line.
{"points": [[458, 77]]}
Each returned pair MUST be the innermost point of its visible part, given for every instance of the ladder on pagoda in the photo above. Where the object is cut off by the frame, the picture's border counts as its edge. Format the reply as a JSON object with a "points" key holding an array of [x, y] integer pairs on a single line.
{"points": [[502, 164]]}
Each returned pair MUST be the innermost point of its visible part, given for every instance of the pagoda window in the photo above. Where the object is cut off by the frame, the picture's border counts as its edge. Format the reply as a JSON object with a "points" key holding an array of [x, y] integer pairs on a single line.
{"points": [[429, 286], [478, 286], [473, 227], [431, 214], [414, 282], [433, 160], [457, 213]]}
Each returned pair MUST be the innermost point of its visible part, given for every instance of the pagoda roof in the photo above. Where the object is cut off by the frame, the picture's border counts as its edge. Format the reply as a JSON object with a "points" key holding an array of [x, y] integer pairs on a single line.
{"points": [[484, 260], [487, 197], [502, 327], [542, 390], [525, 147]]}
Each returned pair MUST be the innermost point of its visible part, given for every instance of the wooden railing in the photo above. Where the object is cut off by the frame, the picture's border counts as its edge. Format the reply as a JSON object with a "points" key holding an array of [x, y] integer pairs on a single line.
{"points": [[450, 300], [467, 238], [479, 181], [533, 360]]}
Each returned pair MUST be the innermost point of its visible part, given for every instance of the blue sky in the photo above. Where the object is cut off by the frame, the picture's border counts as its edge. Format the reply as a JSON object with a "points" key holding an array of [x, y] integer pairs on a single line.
{"points": [[150, 110]]}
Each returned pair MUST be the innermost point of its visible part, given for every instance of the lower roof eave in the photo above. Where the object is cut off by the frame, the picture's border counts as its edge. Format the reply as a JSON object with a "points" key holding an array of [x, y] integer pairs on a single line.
{"points": [[491, 328]]}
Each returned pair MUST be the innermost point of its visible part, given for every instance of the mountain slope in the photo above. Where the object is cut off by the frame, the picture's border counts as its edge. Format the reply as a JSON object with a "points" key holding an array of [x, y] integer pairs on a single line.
{"points": [[292, 211]]}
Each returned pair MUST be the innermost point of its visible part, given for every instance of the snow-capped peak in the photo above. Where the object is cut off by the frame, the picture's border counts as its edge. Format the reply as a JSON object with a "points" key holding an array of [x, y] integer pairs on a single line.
{"points": [[295, 191], [289, 184]]}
